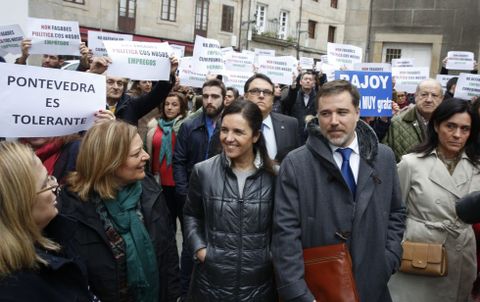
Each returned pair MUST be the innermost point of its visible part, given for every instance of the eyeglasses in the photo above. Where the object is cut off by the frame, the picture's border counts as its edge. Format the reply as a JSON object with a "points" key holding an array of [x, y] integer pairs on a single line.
{"points": [[257, 92], [52, 184]]}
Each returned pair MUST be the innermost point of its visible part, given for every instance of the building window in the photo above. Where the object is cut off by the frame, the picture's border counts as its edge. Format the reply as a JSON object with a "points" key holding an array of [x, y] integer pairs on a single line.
{"points": [[75, 1], [393, 53], [283, 28], [261, 17], [227, 18], [169, 10], [312, 26], [126, 15], [331, 34], [201, 18], [334, 3]]}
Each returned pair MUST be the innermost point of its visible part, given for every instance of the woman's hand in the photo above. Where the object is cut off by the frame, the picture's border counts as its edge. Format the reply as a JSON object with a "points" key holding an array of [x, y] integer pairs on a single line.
{"points": [[103, 115], [201, 254]]}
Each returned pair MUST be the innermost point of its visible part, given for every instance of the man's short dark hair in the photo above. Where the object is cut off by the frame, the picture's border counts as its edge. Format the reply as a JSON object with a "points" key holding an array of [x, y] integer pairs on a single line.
{"points": [[337, 87], [216, 83], [257, 76]]}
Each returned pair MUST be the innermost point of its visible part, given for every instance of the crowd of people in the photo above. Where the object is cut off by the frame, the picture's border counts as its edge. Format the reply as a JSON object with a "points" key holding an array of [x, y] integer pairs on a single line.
{"points": [[253, 180]]}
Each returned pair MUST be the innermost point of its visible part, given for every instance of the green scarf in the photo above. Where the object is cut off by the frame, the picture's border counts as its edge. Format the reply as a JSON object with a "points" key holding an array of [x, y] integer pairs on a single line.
{"points": [[142, 270], [166, 148]]}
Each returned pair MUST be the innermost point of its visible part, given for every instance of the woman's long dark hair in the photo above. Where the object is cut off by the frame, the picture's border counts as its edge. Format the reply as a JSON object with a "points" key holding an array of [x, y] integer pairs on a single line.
{"points": [[252, 114], [444, 111]]}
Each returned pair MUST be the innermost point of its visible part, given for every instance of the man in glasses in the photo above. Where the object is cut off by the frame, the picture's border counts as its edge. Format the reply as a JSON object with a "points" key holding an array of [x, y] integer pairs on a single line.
{"points": [[279, 131], [409, 128]]}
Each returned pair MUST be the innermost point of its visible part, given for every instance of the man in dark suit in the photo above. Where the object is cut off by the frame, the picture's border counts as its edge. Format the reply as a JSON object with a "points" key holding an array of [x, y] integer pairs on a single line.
{"points": [[342, 186], [280, 131]]}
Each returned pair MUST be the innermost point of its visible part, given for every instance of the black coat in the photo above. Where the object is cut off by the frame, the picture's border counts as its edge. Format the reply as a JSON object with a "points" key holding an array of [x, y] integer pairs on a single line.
{"points": [[64, 279], [192, 146], [131, 109], [235, 230], [468, 208], [94, 247]]}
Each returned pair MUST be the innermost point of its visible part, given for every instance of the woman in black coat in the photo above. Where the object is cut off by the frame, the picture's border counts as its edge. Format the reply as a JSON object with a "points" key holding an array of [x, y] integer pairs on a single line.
{"points": [[38, 261], [228, 214], [123, 232]]}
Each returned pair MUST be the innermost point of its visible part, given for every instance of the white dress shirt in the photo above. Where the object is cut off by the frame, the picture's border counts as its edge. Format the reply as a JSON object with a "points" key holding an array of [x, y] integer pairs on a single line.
{"points": [[269, 135], [354, 157]]}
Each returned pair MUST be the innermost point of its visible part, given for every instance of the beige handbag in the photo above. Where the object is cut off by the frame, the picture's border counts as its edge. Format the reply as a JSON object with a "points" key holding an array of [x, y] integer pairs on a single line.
{"points": [[427, 259]]}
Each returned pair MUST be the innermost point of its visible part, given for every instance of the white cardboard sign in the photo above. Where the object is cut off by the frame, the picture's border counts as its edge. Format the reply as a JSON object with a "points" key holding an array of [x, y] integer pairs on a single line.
{"points": [[460, 60], [443, 79], [11, 37], [408, 78], [403, 62], [344, 55], [306, 63], [236, 79], [207, 55], [279, 69], [53, 37], [178, 50], [139, 60], [239, 62], [96, 38], [188, 76], [468, 86], [38, 102], [373, 67]]}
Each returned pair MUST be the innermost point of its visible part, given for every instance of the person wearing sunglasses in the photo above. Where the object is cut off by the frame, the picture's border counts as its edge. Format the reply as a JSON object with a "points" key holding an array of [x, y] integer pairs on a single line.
{"points": [[38, 260]]}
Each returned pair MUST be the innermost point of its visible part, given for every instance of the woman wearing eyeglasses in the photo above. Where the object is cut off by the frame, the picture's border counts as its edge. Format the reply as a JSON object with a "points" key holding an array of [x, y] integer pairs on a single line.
{"points": [[124, 233], [38, 261]]}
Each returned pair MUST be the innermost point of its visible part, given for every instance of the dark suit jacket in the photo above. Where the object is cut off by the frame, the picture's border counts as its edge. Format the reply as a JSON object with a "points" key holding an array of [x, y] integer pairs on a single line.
{"points": [[285, 129]]}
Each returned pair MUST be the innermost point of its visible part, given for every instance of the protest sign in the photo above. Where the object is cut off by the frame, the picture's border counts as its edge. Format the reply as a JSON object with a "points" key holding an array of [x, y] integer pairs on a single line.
{"points": [[188, 76], [11, 37], [39, 102], [279, 69], [207, 55], [327, 69], [236, 79], [226, 50], [264, 52], [96, 38], [53, 37], [373, 67], [460, 60], [178, 50], [375, 91], [468, 86], [403, 62], [324, 58], [443, 79], [407, 78], [306, 63], [139, 60], [239, 62], [343, 55]]}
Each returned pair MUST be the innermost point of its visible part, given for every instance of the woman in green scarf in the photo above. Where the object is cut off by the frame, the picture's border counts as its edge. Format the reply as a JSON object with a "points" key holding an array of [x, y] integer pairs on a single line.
{"points": [[160, 144], [124, 233]]}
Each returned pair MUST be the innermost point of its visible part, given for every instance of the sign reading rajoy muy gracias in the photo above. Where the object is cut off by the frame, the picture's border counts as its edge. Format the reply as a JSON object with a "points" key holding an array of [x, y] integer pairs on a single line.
{"points": [[375, 91], [38, 102]]}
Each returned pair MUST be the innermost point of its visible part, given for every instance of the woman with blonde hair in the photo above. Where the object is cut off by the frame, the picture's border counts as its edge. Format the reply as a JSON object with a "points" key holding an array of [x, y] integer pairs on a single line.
{"points": [[38, 261], [124, 233]]}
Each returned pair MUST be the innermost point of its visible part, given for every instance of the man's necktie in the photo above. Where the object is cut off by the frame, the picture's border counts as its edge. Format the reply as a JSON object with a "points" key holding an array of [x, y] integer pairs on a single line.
{"points": [[346, 171]]}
